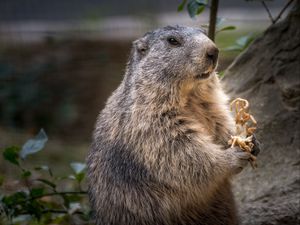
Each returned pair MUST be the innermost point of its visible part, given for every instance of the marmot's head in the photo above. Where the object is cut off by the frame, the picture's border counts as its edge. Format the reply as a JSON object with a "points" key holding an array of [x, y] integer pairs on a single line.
{"points": [[172, 54]]}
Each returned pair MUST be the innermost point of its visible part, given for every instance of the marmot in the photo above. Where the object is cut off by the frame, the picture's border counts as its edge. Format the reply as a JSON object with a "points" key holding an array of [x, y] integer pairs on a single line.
{"points": [[159, 154]]}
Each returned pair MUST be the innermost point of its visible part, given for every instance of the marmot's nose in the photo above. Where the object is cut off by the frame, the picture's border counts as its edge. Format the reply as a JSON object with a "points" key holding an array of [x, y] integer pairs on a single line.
{"points": [[212, 53]]}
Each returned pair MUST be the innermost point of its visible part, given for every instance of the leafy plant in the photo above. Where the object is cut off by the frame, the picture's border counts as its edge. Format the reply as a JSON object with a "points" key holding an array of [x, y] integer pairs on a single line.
{"points": [[271, 17], [194, 7], [241, 43], [220, 27], [41, 197]]}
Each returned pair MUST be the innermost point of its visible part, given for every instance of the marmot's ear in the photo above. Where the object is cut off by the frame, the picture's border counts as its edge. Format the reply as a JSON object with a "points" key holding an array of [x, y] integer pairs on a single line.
{"points": [[141, 45]]}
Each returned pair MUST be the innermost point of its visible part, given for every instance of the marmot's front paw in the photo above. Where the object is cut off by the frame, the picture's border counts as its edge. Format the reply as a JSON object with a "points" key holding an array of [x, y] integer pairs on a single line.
{"points": [[238, 159]]}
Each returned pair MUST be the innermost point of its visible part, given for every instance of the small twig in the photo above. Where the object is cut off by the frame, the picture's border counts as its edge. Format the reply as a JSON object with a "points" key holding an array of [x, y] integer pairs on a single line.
{"points": [[282, 11], [55, 211], [52, 194], [268, 11], [61, 211], [59, 193]]}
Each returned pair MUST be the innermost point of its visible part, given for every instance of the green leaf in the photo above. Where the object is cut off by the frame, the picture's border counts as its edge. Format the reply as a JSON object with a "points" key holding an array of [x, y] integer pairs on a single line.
{"points": [[11, 154], [79, 176], [220, 21], [1, 179], [242, 41], [49, 183], [245, 40], [34, 145], [204, 26], [78, 167], [26, 174], [21, 219], [258, 0], [36, 192], [195, 8], [72, 198], [87, 214], [226, 28], [233, 48], [59, 218], [200, 9], [203, 2], [35, 208], [66, 177], [44, 168], [192, 8], [73, 207], [181, 6], [15, 198], [72, 177], [221, 74]]}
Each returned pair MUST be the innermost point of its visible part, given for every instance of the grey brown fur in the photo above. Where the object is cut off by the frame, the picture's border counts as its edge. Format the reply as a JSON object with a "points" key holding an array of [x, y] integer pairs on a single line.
{"points": [[159, 154]]}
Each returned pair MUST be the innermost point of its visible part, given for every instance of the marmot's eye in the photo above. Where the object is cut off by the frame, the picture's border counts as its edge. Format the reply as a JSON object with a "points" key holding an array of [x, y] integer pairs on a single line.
{"points": [[173, 41]]}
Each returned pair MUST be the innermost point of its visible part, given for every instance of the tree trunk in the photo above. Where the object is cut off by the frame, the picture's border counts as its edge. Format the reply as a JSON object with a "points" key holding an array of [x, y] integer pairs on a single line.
{"points": [[213, 19], [268, 75]]}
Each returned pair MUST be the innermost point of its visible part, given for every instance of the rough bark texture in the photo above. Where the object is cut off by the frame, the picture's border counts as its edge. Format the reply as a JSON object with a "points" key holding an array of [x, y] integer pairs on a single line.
{"points": [[268, 75]]}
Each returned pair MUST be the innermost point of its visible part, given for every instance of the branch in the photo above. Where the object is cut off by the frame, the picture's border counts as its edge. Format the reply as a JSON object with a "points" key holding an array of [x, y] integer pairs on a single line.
{"points": [[59, 193], [268, 11], [282, 11], [213, 19], [52, 194], [59, 211]]}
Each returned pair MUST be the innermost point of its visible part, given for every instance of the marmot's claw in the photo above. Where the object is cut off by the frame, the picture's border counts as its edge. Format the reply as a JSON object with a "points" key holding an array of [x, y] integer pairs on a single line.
{"points": [[256, 146]]}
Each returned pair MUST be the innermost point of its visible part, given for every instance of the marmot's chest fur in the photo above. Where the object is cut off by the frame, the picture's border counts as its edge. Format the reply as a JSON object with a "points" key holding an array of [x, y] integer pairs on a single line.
{"points": [[206, 105]]}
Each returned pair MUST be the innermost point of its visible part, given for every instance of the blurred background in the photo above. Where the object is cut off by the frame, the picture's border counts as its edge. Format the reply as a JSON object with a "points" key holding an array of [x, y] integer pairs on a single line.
{"points": [[61, 59]]}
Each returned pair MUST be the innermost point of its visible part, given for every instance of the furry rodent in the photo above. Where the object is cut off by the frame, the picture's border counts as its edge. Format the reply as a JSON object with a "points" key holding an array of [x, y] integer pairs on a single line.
{"points": [[159, 154]]}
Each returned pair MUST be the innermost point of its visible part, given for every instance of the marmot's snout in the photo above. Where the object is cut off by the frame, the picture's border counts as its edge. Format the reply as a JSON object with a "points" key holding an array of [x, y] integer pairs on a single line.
{"points": [[211, 61], [212, 54]]}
